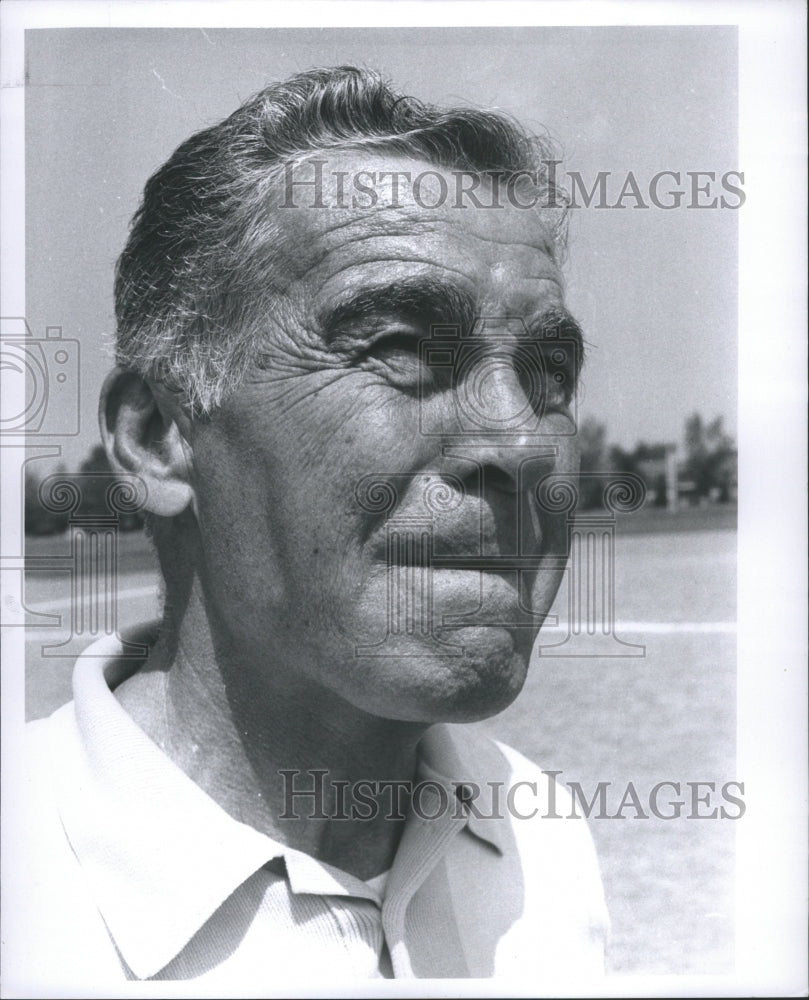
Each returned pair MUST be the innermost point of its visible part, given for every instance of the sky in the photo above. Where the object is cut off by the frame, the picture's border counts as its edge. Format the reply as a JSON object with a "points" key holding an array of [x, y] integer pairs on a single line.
{"points": [[654, 290]]}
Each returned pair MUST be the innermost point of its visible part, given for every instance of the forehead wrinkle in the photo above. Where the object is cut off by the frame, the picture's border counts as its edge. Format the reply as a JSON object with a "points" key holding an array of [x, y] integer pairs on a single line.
{"points": [[440, 226], [428, 267], [372, 224], [408, 221], [542, 244], [540, 239], [394, 255], [319, 249]]}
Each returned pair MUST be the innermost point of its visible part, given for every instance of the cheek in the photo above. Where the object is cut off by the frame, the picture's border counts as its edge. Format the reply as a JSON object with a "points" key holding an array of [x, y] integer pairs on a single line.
{"points": [[347, 435]]}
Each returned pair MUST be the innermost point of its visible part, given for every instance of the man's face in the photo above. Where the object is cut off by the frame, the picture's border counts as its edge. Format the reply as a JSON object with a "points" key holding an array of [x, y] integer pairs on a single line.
{"points": [[358, 499]]}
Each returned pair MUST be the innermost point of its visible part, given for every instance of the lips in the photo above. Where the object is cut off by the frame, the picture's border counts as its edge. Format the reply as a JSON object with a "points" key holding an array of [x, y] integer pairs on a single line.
{"points": [[485, 555], [462, 576], [466, 590], [480, 600], [415, 545]]}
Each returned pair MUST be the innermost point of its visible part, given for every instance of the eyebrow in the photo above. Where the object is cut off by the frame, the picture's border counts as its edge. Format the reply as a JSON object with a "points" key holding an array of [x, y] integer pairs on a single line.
{"points": [[421, 299], [431, 302], [558, 324]]}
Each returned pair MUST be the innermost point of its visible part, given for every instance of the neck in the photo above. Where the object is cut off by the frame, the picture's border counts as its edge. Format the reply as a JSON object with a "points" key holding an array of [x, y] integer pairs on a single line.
{"points": [[251, 735]]}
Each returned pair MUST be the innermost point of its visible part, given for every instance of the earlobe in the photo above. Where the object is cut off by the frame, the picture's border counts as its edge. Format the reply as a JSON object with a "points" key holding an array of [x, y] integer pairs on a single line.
{"points": [[142, 435]]}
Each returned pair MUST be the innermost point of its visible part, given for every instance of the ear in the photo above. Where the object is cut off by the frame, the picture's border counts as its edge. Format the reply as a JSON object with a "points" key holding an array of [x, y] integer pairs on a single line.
{"points": [[141, 431]]}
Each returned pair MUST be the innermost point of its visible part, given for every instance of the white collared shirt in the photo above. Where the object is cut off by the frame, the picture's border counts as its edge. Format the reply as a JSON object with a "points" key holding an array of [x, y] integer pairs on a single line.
{"points": [[136, 873]]}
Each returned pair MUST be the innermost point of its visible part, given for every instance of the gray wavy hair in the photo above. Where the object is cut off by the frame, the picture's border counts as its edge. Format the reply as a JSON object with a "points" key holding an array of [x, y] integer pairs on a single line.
{"points": [[193, 285]]}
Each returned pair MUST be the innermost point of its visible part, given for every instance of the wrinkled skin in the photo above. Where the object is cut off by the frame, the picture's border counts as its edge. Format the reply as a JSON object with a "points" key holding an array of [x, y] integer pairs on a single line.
{"points": [[295, 571]]}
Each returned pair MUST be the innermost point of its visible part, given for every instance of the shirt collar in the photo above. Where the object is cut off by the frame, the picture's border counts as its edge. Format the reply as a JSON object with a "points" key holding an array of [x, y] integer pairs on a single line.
{"points": [[457, 763], [161, 855]]}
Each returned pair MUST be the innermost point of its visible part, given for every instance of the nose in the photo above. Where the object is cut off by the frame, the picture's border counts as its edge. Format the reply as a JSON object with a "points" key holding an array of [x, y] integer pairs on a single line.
{"points": [[499, 393], [504, 468], [499, 414], [498, 479]]}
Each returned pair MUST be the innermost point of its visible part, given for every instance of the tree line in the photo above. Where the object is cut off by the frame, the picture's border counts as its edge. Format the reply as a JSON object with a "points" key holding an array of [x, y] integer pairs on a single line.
{"points": [[704, 463]]}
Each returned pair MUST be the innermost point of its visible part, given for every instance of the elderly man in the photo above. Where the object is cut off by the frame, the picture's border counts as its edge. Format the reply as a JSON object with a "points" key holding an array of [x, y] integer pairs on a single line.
{"points": [[345, 371]]}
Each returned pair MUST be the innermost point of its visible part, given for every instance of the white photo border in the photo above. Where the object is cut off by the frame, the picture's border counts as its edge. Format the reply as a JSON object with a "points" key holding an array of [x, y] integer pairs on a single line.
{"points": [[772, 685]]}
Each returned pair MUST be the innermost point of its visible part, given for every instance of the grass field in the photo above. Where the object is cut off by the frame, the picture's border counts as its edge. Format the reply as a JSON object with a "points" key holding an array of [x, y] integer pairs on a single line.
{"points": [[666, 716]]}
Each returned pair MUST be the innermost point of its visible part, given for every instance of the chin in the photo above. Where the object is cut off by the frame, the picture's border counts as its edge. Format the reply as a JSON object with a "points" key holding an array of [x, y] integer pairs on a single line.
{"points": [[476, 685]]}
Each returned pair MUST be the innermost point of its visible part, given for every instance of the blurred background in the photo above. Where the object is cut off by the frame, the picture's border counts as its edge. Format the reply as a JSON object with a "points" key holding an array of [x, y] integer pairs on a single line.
{"points": [[655, 292]]}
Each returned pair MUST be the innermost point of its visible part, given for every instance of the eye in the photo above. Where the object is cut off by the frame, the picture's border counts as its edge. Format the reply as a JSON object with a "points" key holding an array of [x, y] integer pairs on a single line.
{"points": [[395, 356], [560, 374], [559, 401], [545, 380], [557, 390], [399, 342]]}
